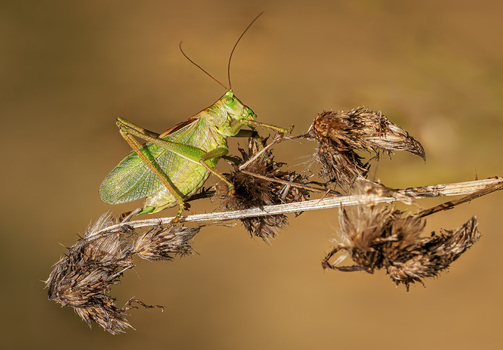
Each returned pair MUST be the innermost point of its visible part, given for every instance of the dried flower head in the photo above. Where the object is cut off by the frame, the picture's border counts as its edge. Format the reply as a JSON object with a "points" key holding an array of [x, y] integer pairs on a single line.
{"points": [[159, 243], [263, 183], [340, 134], [386, 238], [82, 278]]}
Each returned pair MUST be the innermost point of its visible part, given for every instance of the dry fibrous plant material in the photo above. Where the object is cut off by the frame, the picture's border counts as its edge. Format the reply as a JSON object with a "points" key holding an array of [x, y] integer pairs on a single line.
{"points": [[83, 277], [258, 187], [162, 243], [341, 134], [381, 237]]}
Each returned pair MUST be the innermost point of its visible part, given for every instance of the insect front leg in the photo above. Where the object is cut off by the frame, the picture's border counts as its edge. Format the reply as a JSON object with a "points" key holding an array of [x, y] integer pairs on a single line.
{"points": [[270, 126]]}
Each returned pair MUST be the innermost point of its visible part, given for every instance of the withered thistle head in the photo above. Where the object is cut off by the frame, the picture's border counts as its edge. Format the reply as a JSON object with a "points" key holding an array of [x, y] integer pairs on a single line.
{"points": [[341, 134], [259, 187], [82, 278], [161, 243], [386, 238]]}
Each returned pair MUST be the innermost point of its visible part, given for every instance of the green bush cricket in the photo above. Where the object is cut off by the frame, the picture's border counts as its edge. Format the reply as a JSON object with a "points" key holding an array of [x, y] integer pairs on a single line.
{"points": [[170, 167]]}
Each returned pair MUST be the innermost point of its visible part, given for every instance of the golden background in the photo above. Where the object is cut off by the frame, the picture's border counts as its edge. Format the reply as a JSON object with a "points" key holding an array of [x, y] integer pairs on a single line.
{"points": [[68, 69]]}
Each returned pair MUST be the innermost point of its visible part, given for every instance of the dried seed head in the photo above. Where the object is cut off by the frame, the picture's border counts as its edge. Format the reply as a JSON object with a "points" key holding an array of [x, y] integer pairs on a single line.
{"points": [[435, 253], [363, 129], [342, 167], [83, 276], [160, 242], [386, 238], [260, 189], [340, 134]]}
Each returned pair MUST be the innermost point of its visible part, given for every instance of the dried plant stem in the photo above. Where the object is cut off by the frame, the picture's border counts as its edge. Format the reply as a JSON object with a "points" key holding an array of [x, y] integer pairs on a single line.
{"points": [[288, 183], [443, 190], [469, 197], [277, 139]]}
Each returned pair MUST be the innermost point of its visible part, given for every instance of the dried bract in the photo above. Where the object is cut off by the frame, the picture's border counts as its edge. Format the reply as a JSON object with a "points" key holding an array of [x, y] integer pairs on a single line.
{"points": [[386, 238], [82, 278], [159, 243], [340, 134], [258, 187], [343, 167]]}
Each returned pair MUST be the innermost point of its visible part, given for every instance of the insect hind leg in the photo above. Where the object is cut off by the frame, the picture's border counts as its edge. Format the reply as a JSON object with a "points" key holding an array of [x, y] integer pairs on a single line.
{"points": [[125, 129]]}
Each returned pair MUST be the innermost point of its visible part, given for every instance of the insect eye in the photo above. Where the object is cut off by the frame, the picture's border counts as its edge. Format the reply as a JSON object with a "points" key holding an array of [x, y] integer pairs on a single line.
{"points": [[251, 113], [229, 101]]}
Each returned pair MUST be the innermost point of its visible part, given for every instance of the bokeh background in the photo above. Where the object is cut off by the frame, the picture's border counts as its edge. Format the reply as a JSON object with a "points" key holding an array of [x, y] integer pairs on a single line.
{"points": [[68, 69]]}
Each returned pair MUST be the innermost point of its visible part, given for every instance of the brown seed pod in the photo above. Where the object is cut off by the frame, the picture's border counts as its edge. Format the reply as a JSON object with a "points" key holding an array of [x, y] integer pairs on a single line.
{"points": [[386, 238], [340, 134]]}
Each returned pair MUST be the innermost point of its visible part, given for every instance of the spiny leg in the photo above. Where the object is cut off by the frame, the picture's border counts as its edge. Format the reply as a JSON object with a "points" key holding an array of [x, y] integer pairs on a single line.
{"points": [[197, 155], [136, 146]]}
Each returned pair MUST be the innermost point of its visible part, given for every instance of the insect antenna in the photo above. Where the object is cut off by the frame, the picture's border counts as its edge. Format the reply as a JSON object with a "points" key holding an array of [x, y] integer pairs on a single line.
{"points": [[201, 68], [234, 48]]}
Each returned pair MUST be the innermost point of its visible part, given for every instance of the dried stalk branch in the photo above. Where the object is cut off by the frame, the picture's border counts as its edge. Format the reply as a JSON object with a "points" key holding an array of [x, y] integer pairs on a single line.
{"points": [[442, 190]]}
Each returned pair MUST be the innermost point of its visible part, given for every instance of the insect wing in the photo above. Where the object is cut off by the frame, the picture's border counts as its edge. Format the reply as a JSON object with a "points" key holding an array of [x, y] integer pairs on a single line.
{"points": [[131, 179]]}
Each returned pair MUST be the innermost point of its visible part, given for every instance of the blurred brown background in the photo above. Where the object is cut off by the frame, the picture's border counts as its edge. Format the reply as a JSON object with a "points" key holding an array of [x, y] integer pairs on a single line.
{"points": [[67, 69]]}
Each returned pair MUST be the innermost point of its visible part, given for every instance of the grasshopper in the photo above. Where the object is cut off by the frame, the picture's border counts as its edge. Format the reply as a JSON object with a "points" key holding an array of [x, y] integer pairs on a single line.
{"points": [[170, 167]]}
